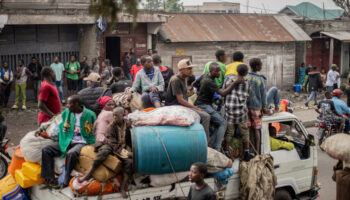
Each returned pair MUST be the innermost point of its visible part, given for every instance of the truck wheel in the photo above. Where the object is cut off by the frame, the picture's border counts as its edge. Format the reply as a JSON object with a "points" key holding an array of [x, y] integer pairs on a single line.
{"points": [[283, 194]]}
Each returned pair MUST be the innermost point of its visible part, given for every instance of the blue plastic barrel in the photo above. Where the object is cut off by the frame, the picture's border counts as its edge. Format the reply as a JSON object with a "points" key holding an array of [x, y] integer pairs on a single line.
{"points": [[297, 87], [185, 146]]}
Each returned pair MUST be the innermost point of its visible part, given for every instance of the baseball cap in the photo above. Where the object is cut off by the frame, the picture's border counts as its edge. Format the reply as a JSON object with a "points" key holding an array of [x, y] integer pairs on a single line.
{"points": [[94, 77], [185, 63]]}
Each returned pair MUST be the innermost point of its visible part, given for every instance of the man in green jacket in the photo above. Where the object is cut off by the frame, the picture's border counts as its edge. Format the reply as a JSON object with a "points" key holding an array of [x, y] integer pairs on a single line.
{"points": [[75, 131]]}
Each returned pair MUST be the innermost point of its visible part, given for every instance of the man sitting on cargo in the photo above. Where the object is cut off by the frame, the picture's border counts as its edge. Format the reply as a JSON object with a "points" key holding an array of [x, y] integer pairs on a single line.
{"points": [[150, 82], [113, 143], [177, 92], [207, 87], [75, 131]]}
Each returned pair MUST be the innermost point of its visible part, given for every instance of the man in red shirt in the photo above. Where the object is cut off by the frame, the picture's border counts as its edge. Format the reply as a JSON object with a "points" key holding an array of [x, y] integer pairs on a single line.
{"points": [[135, 68], [49, 100]]}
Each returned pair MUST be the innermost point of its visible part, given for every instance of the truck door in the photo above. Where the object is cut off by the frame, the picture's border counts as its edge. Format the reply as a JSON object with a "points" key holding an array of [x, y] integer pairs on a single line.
{"points": [[293, 167]]}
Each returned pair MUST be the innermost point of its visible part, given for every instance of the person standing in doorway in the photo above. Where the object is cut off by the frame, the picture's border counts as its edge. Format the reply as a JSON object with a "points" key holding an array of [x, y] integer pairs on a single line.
{"points": [[72, 70], [84, 72], [331, 78], [21, 75], [49, 100], [58, 68], [35, 67], [127, 65], [132, 56], [6, 79], [135, 68], [315, 83]]}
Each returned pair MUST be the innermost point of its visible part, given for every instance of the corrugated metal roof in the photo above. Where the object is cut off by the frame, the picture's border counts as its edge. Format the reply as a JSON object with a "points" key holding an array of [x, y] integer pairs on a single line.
{"points": [[310, 10], [339, 35], [232, 27]]}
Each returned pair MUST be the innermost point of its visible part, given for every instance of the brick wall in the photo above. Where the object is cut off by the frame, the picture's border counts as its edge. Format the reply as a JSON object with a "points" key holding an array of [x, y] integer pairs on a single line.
{"points": [[278, 58]]}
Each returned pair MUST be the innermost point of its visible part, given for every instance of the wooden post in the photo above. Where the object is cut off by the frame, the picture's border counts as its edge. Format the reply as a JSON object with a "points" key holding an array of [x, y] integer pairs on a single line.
{"points": [[331, 51]]}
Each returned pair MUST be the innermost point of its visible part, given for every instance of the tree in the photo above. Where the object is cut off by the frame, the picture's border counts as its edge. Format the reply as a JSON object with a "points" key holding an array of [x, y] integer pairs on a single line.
{"points": [[110, 8], [345, 5], [154, 5], [174, 6]]}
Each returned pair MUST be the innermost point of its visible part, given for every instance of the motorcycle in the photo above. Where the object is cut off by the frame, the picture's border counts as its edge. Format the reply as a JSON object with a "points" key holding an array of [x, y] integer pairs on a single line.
{"points": [[325, 129], [3, 148]]}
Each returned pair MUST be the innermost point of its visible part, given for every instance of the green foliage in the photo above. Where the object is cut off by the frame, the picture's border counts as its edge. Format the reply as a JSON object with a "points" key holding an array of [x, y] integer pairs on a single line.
{"points": [[166, 5], [174, 6], [110, 8], [154, 5], [345, 5]]}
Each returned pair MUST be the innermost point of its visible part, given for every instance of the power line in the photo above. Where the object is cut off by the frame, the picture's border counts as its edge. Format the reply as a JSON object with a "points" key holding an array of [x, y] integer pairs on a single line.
{"points": [[247, 6]]}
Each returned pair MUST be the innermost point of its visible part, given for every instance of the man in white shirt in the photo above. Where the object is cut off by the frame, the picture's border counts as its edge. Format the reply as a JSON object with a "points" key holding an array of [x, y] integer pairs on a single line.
{"points": [[332, 77]]}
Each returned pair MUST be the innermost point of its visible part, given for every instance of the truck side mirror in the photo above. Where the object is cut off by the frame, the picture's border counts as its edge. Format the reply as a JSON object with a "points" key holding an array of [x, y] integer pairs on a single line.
{"points": [[311, 138]]}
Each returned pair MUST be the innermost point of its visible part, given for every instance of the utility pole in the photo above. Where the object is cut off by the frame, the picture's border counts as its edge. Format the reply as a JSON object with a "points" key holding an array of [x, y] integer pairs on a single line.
{"points": [[247, 6]]}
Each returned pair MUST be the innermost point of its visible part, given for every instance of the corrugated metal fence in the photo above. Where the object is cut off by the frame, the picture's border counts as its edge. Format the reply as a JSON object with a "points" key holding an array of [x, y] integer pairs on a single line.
{"points": [[44, 58]]}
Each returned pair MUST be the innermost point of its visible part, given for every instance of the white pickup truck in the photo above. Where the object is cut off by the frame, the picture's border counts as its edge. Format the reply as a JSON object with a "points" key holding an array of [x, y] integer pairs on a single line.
{"points": [[296, 170]]}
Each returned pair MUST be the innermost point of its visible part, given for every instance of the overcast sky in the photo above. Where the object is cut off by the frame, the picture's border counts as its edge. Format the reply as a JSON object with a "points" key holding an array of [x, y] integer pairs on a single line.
{"points": [[271, 6]]}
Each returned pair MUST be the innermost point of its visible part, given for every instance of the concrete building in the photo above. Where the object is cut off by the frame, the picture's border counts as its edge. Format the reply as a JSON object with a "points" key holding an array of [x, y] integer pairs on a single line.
{"points": [[44, 29], [273, 38], [330, 43], [214, 7], [311, 11]]}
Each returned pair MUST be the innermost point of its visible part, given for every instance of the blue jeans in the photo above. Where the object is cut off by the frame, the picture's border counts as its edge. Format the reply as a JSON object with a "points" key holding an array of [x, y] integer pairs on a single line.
{"points": [[219, 133], [347, 126], [313, 94], [59, 88], [273, 95], [330, 88], [150, 98], [128, 76]]}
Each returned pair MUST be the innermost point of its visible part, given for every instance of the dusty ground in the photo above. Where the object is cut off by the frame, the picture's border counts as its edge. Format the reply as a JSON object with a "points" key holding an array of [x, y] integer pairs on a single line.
{"points": [[20, 122]]}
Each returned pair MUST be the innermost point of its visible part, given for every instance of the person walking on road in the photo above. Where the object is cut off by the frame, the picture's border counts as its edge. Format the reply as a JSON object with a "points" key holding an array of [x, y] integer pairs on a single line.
{"points": [[315, 84]]}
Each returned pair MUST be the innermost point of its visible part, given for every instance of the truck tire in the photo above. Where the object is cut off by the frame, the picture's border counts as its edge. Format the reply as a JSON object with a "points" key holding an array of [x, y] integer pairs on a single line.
{"points": [[283, 194]]}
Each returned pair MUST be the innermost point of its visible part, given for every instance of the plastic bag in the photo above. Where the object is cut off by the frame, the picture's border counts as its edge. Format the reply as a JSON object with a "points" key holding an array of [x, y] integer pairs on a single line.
{"points": [[31, 147], [224, 175], [337, 146], [168, 115], [59, 165], [52, 127], [16, 194]]}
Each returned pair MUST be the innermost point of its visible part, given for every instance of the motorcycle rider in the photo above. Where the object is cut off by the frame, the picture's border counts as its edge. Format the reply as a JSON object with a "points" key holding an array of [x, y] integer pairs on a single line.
{"points": [[328, 113], [341, 108]]}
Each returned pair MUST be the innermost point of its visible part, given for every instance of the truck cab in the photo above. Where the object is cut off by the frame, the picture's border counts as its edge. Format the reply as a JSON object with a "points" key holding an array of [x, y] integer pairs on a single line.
{"points": [[296, 169]]}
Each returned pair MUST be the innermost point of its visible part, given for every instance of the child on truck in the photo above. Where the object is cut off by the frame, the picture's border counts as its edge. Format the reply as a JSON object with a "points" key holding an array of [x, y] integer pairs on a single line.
{"points": [[257, 100], [113, 143], [201, 190], [236, 109]]}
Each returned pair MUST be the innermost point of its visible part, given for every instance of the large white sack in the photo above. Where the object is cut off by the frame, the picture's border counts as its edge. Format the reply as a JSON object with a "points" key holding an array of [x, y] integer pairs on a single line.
{"points": [[166, 179], [338, 146], [168, 115], [216, 161], [31, 147]]}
